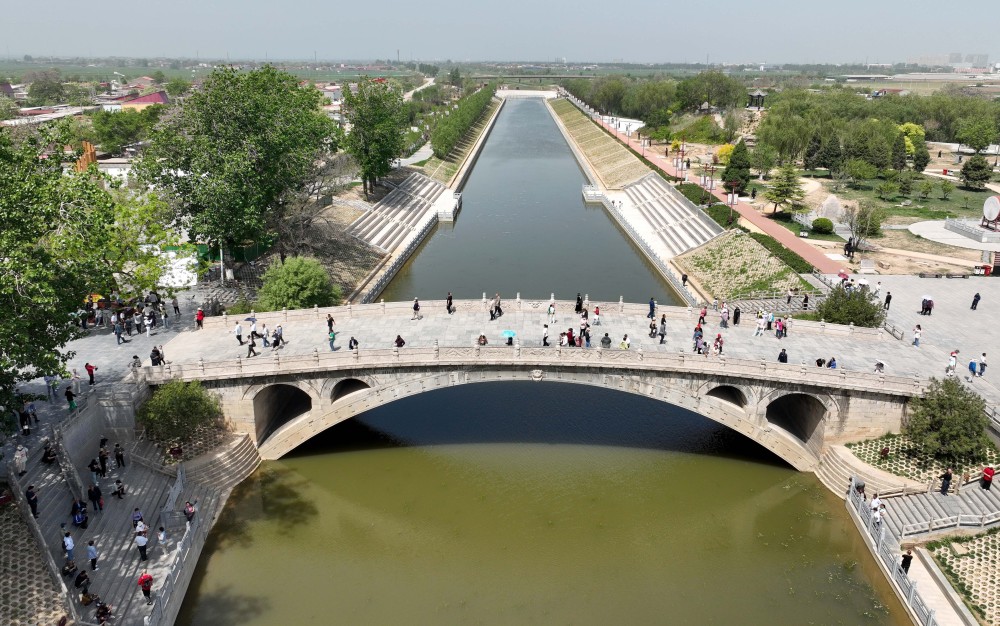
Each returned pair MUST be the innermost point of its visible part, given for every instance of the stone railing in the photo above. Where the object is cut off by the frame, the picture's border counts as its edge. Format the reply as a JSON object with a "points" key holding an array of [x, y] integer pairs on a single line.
{"points": [[593, 194], [972, 230], [884, 545], [555, 356], [398, 261], [167, 600]]}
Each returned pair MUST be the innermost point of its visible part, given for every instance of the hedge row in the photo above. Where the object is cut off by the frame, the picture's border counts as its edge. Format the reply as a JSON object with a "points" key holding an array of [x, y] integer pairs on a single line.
{"points": [[694, 193], [451, 128], [797, 263]]}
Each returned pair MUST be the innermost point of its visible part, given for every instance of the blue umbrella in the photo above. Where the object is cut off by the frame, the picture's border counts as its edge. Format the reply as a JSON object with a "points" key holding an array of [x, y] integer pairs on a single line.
{"points": [[508, 334], [250, 319]]}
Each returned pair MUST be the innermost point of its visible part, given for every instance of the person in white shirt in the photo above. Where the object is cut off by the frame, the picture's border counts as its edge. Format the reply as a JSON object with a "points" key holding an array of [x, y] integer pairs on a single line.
{"points": [[238, 331]]}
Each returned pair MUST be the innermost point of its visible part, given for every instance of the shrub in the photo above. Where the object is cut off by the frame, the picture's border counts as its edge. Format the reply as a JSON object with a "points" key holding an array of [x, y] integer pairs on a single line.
{"points": [[177, 409], [297, 283], [948, 422], [855, 307], [794, 261], [721, 213], [822, 225], [694, 193]]}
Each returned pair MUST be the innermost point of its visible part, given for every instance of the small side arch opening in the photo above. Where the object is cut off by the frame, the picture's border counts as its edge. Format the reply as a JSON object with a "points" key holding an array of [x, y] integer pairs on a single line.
{"points": [[730, 394], [276, 405], [799, 414], [346, 387]]}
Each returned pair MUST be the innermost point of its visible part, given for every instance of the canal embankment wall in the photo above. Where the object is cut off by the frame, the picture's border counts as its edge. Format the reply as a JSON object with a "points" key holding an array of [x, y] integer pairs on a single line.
{"points": [[380, 277], [596, 192]]}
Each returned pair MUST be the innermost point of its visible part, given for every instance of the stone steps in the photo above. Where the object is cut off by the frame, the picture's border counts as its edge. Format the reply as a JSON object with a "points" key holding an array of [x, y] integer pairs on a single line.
{"points": [[838, 464], [924, 508], [225, 468]]}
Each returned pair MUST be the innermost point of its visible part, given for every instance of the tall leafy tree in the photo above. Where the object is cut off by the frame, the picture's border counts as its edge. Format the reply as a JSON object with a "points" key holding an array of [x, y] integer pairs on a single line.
{"points": [[786, 190], [949, 422], [763, 159], [230, 153], [61, 239], [810, 159], [376, 137], [119, 129], [977, 132], [737, 172], [830, 156]]}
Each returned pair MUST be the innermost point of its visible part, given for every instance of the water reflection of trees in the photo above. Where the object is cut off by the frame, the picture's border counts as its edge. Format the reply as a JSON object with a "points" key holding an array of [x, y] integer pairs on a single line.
{"points": [[224, 607], [272, 493]]}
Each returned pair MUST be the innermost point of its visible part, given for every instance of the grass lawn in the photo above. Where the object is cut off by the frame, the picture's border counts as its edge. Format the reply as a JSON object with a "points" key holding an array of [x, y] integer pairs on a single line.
{"points": [[964, 203], [785, 220], [421, 163]]}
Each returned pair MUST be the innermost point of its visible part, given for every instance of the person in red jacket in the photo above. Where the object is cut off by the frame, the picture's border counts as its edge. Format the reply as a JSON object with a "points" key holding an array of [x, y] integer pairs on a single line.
{"points": [[200, 318], [146, 584], [90, 372], [988, 478]]}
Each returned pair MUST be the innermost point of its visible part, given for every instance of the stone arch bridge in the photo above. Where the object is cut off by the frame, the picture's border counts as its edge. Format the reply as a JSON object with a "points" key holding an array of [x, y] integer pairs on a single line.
{"points": [[283, 399]]}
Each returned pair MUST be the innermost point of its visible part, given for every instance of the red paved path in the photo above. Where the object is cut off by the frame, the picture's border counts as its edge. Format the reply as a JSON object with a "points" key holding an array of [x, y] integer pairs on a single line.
{"points": [[782, 234]]}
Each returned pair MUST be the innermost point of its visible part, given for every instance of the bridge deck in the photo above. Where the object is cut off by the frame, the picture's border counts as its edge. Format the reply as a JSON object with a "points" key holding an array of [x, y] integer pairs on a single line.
{"points": [[376, 327]]}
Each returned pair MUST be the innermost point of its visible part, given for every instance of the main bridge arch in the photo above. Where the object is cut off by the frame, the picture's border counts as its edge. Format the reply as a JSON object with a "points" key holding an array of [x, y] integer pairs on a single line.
{"points": [[789, 421]]}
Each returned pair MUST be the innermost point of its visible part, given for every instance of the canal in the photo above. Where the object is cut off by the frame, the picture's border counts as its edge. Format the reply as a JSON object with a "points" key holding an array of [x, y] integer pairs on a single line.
{"points": [[533, 503], [524, 227]]}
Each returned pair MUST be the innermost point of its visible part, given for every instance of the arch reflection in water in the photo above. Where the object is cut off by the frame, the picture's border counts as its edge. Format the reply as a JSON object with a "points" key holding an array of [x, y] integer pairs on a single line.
{"points": [[535, 503]]}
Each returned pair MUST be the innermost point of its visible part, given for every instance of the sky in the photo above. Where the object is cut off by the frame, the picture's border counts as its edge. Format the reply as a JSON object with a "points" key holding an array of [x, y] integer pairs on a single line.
{"points": [[638, 31]]}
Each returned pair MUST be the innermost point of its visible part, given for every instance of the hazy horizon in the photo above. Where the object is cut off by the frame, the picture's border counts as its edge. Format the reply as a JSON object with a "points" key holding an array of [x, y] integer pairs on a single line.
{"points": [[634, 31]]}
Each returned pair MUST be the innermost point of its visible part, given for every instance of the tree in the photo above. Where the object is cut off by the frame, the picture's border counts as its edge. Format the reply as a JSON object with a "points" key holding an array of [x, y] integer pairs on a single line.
{"points": [[921, 157], [229, 155], [914, 135], [976, 172], [763, 159], [887, 190], [723, 152], [864, 220], [177, 87], [906, 183], [455, 77], [298, 283], [786, 190], [159, 77], [8, 108], [377, 122], [60, 242], [830, 155], [977, 132], [899, 153], [811, 156], [45, 88], [855, 307], [731, 125], [926, 188], [119, 129], [177, 409], [946, 188], [737, 172], [859, 170], [949, 422]]}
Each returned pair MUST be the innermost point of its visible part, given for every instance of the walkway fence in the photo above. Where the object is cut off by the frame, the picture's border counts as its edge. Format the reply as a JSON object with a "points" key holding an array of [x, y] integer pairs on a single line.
{"points": [[593, 194], [886, 544], [162, 613]]}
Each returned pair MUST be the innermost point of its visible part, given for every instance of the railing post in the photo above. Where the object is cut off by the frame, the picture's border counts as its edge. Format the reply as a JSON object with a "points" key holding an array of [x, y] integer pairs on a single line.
{"points": [[316, 355], [586, 301], [316, 310], [518, 300], [517, 348], [437, 350], [201, 364], [395, 351], [383, 306], [284, 313], [621, 304], [912, 592]]}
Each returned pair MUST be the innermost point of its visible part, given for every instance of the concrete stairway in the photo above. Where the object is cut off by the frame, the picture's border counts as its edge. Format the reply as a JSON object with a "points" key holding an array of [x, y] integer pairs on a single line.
{"points": [[925, 513], [111, 530], [225, 467], [837, 465], [679, 224]]}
